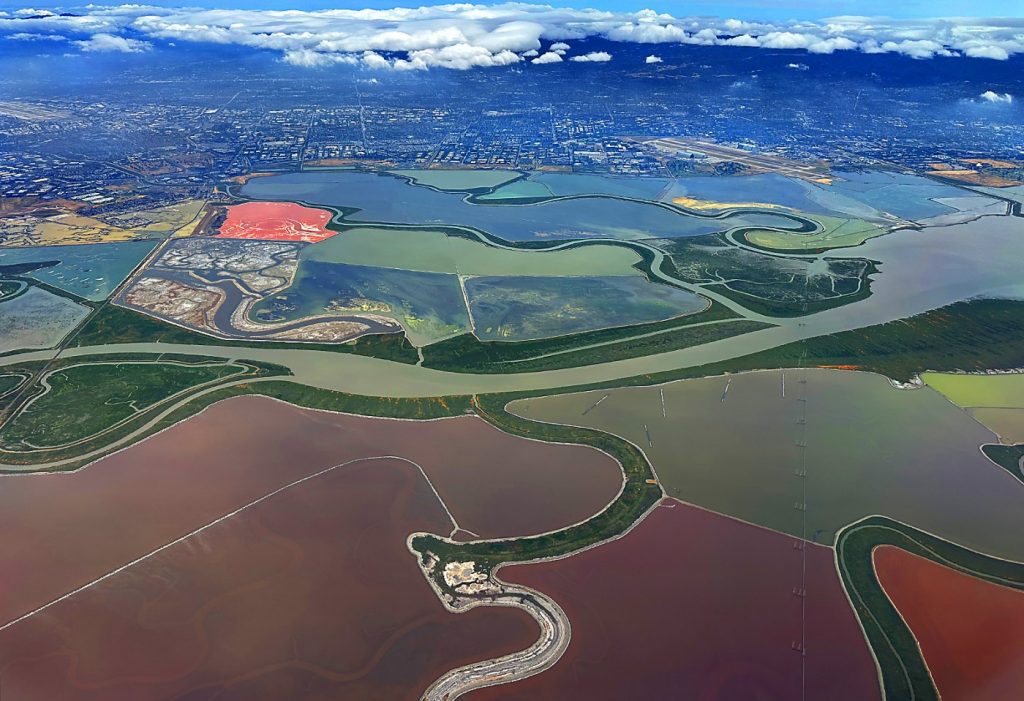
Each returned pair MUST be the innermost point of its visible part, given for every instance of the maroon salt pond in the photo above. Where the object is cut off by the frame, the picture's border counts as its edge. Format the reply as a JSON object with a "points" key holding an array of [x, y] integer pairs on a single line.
{"points": [[63, 531], [694, 605], [310, 594], [971, 632]]}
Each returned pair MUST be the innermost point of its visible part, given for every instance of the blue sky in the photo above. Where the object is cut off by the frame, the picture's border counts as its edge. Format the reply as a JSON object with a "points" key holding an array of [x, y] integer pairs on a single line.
{"points": [[740, 9]]}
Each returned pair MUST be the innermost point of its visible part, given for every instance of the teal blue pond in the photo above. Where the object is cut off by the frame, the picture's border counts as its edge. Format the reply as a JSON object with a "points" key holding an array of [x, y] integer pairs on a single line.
{"points": [[908, 196], [521, 308], [387, 199], [591, 184], [91, 271]]}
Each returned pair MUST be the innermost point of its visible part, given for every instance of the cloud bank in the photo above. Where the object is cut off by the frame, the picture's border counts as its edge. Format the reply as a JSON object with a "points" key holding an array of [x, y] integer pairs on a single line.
{"points": [[463, 36]]}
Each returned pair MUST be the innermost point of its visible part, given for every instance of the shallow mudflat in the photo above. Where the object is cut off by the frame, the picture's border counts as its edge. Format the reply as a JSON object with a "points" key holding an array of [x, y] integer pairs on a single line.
{"points": [[64, 530], [693, 605], [310, 594], [429, 306], [971, 632], [37, 318], [521, 308], [809, 451]]}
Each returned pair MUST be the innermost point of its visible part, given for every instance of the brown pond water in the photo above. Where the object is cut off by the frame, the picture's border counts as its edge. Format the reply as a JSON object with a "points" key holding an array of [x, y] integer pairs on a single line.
{"points": [[693, 605], [310, 594], [62, 531], [971, 632]]}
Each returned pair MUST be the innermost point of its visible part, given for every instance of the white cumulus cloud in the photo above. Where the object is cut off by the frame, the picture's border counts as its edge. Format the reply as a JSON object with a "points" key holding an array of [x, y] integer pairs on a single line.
{"points": [[549, 57], [110, 43], [994, 52], [992, 96], [593, 57], [647, 33], [741, 40]]}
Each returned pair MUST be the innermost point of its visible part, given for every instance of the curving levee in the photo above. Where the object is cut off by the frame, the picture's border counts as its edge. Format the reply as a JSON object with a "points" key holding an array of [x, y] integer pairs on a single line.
{"points": [[904, 673]]}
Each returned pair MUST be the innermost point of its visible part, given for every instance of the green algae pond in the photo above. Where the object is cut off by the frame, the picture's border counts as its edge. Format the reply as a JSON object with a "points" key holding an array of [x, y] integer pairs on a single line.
{"points": [[437, 252]]}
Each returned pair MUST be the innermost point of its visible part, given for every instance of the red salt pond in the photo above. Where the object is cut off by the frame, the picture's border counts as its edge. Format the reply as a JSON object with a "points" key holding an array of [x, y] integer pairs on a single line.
{"points": [[276, 221], [310, 594], [694, 605], [971, 632], [64, 530]]}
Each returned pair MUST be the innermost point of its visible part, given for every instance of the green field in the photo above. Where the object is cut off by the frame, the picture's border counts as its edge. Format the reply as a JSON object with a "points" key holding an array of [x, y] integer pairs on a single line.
{"points": [[9, 382], [973, 336], [470, 355], [1008, 457], [112, 325], [78, 401]]}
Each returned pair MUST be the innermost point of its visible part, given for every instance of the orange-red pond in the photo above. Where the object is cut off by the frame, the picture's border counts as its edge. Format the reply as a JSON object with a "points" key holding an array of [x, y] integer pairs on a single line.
{"points": [[693, 605], [64, 530], [276, 221], [971, 632], [310, 594]]}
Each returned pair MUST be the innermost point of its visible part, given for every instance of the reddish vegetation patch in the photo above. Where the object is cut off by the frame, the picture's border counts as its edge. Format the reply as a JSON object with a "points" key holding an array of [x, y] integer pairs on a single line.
{"points": [[63, 530], [971, 632], [693, 605], [310, 594], [276, 221]]}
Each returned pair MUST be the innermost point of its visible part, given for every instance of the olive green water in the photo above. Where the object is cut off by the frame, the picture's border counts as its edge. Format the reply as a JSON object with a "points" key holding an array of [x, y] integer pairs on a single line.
{"points": [[837, 447]]}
